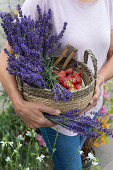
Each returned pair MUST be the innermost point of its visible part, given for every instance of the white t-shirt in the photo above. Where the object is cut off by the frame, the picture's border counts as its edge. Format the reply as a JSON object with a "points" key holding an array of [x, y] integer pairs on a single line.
{"points": [[89, 27]]}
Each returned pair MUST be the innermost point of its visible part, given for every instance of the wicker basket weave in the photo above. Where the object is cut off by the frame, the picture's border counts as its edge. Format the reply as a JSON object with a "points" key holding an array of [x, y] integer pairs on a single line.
{"points": [[80, 98]]}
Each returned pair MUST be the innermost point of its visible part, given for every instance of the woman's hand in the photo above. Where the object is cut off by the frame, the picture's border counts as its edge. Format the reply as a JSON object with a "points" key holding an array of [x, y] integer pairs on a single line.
{"points": [[94, 100], [32, 114]]}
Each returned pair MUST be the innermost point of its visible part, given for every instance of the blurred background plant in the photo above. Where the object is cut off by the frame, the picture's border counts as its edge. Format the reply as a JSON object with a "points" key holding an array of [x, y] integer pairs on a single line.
{"points": [[107, 119], [20, 147]]}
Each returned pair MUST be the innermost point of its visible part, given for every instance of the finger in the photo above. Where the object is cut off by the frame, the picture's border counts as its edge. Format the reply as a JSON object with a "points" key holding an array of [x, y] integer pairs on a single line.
{"points": [[48, 109], [90, 106], [48, 123], [40, 121], [95, 96], [29, 125], [43, 108]]}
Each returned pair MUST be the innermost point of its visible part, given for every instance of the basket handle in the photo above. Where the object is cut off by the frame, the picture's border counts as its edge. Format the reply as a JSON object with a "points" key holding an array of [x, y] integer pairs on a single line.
{"points": [[74, 50], [94, 61]]}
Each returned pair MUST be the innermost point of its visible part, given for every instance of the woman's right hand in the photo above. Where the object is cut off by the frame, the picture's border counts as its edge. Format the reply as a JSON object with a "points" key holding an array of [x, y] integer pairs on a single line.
{"points": [[32, 114]]}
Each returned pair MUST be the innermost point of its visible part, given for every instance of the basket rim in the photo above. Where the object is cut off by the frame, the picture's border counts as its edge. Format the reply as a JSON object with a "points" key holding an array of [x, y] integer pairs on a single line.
{"points": [[84, 88]]}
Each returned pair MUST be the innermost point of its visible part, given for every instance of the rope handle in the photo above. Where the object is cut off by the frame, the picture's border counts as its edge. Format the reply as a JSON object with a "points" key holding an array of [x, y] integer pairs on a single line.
{"points": [[66, 49], [88, 53]]}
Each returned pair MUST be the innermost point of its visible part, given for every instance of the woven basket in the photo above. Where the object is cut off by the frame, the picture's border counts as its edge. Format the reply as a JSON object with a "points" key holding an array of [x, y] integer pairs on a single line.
{"points": [[80, 98]]}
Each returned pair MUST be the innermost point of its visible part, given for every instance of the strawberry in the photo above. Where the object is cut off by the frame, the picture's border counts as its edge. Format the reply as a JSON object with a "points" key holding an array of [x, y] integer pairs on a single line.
{"points": [[77, 74], [72, 89], [55, 72], [61, 79], [74, 81], [69, 77], [67, 84], [61, 73], [64, 84], [77, 86], [69, 71], [78, 79], [73, 86]]}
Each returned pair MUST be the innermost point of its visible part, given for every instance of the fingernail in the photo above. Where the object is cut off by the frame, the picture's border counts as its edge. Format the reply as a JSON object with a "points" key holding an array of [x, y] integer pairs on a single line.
{"points": [[91, 101], [58, 111]]}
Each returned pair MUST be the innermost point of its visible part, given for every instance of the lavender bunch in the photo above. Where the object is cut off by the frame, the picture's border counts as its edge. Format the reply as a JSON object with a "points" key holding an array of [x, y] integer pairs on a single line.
{"points": [[80, 124], [61, 93], [34, 47]]}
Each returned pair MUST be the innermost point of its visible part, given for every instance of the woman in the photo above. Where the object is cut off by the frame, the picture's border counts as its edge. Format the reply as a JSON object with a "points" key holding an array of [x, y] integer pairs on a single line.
{"points": [[90, 24]]}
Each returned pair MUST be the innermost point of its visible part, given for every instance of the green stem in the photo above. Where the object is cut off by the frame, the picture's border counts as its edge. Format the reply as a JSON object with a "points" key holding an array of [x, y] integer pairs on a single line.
{"points": [[27, 157], [53, 150]]}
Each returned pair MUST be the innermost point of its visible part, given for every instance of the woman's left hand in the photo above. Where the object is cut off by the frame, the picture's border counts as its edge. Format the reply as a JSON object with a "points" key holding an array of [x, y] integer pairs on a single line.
{"points": [[94, 99]]}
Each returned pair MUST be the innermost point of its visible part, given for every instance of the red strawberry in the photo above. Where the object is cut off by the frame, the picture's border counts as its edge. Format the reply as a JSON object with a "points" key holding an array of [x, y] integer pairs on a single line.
{"points": [[72, 89], [62, 72], [61, 79], [78, 79], [66, 84], [74, 81], [69, 77], [77, 86], [77, 74], [73, 86], [55, 72], [69, 71]]}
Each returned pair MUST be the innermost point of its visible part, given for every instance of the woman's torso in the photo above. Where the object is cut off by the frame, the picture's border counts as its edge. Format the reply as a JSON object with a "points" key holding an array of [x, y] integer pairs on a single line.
{"points": [[89, 27]]}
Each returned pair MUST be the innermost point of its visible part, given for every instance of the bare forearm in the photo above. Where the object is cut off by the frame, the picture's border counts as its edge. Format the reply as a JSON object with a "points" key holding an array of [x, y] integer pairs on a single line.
{"points": [[106, 71], [8, 80]]}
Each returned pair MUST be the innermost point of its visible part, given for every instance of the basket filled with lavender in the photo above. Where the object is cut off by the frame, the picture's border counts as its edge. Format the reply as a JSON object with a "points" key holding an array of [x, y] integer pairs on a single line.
{"points": [[42, 76]]}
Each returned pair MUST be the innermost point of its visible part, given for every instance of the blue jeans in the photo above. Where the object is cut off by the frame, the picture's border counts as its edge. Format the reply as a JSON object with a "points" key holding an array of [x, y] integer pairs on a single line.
{"points": [[66, 155]]}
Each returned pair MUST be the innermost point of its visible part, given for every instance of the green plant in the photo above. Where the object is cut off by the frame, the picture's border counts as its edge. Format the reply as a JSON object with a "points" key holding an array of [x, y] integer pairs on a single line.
{"points": [[19, 147]]}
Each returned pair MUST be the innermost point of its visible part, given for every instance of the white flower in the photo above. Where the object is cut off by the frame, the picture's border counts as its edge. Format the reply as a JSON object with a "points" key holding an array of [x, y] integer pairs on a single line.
{"points": [[40, 158], [34, 133], [11, 144], [20, 137], [20, 145], [27, 168], [81, 152], [94, 162], [90, 155], [28, 133], [3, 143], [15, 151], [20, 165], [8, 159]]}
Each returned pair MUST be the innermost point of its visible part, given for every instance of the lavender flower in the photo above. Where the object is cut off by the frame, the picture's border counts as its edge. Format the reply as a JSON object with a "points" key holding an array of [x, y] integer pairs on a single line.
{"points": [[34, 47], [61, 93], [80, 124]]}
